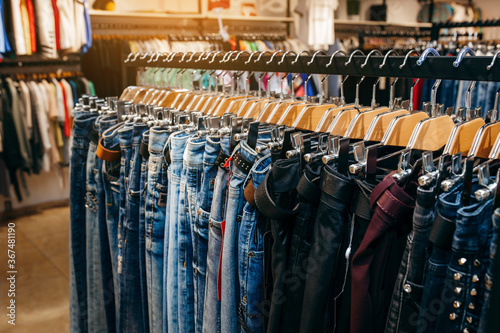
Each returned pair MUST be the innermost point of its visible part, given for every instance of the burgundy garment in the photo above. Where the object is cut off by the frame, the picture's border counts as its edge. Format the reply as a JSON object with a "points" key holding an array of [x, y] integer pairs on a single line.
{"points": [[376, 263]]}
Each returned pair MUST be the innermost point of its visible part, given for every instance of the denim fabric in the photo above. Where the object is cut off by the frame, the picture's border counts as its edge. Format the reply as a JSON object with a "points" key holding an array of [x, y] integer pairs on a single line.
{"points": [[176, 143], [448, 93], [488, 280], [211, 308], [111, 183], [404, 310], [82, 124], [251, 256], [300, 247], [189, 187], [131, 313], [491, 90], [201, 231], [229, 269], [142, 236], [435, 271], [96, 316], [156, 192], [463, 290], [331, 220]]}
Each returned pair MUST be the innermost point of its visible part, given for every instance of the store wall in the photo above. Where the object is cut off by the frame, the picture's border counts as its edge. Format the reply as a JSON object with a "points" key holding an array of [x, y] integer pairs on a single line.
{"points": [[43, 188]]}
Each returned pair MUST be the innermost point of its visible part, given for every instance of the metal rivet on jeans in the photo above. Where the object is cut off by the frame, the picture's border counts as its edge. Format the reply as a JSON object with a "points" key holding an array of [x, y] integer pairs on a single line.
{"points": [[477, 263], [465, 330], [456, 304], [458, 290], [462, 261], [475, 278], [473, 292], [457, 276], [407, 288], [453, 316], [472, 306], [469, 320], [348, 253], [195, 270]]}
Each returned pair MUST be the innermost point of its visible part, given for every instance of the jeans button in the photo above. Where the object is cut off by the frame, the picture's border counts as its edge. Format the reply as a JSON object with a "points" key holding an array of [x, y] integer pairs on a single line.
{"points": [[407, 288]]}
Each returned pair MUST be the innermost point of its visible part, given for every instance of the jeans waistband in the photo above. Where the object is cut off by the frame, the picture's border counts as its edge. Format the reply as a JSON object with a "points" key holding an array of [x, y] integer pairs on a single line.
{"points": [[177, 145], [193, 154], [125, 134], [137, 133], [157, 139], [336, 185], [212, 148], [83, 123]]}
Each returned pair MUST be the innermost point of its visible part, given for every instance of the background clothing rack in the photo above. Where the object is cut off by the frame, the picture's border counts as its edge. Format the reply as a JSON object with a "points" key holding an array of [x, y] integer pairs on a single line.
{"points": [[436, 27], [38, 65], [471, 68]]}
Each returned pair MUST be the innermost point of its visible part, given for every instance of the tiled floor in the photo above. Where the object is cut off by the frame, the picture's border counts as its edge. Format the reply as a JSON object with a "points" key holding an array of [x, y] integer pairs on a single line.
{"points": [[42, 262]]}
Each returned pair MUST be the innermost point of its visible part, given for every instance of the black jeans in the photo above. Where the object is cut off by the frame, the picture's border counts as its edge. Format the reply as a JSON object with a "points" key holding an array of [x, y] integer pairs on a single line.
{"points": [[276, 199], [309, 194], [408, 290]]}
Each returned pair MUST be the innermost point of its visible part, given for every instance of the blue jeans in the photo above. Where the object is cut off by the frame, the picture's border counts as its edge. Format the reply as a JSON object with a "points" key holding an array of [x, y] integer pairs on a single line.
{"points": [[176, 144], [251, 256], [211, 308], [435, 271], [464, 284], [488, 280], [96, 253], [155, 207], [131, 314], [142, 232], [404, 310], [187, 242], [200, 244], [82, 124], [234, 211]]}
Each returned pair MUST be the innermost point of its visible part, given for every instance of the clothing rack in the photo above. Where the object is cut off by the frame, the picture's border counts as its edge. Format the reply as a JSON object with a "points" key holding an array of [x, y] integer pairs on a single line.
{"points": [[436, 27], [38, 65], [434, 67]]}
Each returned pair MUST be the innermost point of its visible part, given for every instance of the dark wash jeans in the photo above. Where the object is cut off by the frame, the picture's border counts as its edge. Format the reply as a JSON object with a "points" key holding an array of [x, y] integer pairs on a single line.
{"points": [[405, 305], [376, 262], [462, 296], [435, 270], [309, 193], [276, 199], [131, 313], [82, 124], [331, 220], [488, 280]]}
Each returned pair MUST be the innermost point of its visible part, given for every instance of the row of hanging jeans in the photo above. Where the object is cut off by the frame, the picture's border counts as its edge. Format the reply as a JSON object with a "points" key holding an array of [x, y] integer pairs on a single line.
{"points": [[176, 230]]}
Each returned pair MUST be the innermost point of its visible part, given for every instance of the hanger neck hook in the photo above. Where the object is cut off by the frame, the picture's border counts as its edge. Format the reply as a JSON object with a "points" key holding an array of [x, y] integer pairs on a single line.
{"points": [[283, 56], [282, 95], [201, 56], [342, 98], [250, 57], [314, 56], [322, 96], [374, 92], [434, 107], [368, 57], [260, 56], [351, 56], [272, 57], [292, 88], [412, 51], [268, 89], [490, 66], [213, 57], [461, 55], [239, 53], [410, 105], [333, 56], [391, 94], [356, 101], [424, 55], [468, 101], [298, 55], [386, 56], [184, 55]]}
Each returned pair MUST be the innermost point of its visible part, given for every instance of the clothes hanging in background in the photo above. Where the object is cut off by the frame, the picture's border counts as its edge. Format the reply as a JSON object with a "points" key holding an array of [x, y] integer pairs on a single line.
{"points": [[36, 124]]}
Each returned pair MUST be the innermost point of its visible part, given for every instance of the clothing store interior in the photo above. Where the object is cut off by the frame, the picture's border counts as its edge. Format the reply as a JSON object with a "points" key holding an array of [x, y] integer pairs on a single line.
{"points": [[257, 166]]}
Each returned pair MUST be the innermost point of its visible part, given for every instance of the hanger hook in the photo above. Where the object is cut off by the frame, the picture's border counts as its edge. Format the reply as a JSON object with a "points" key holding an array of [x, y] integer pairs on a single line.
{"points": [[169, 55], [468, 101], [205, 56], [374, 92], [192, 55], [250, 57], [386, 56], [410, 105], [291, 86], [490, 66], [260, 56], [333, 56], [461, 55], [356, 101], [282, 79], [314, 56], [412, 51], [368, 57], [283, 57], [272, 57], [183, 56], [215, 55], [433, 97], [151, 57], [391, 94], [298, 55], [239, 53], [201, 56], [424, 55], [350, 57], [135, 57], [131, 54], [227, 56], [144, 56]]}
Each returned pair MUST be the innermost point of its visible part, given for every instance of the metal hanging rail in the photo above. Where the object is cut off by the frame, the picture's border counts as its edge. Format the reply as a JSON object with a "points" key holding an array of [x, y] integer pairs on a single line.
{"points": [[434, 67], [436, 27], [36, 65]]}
